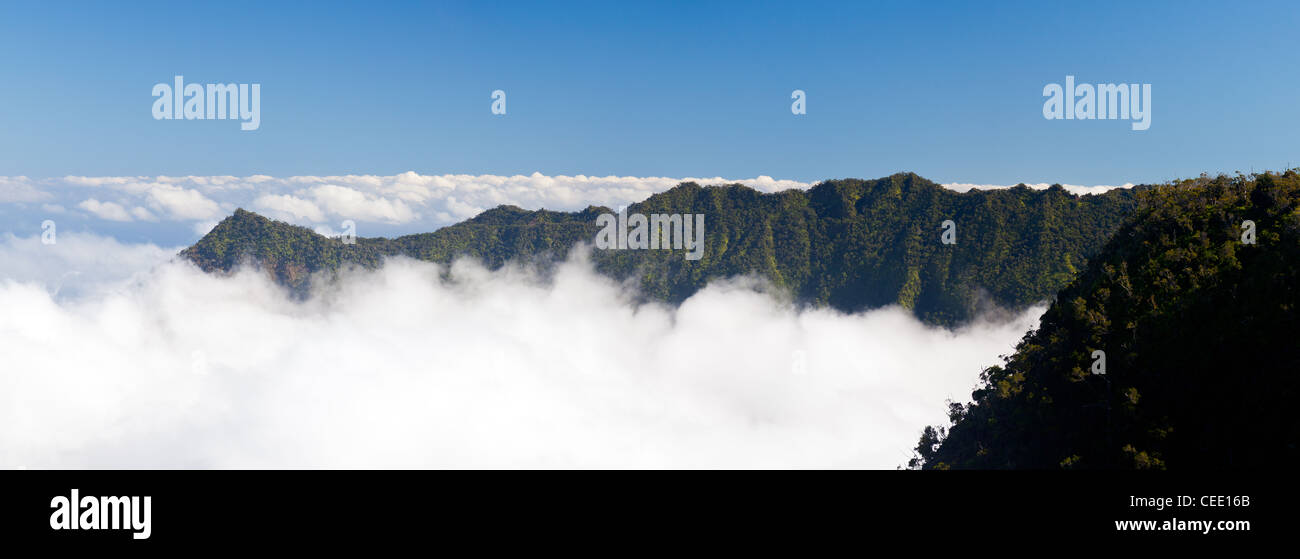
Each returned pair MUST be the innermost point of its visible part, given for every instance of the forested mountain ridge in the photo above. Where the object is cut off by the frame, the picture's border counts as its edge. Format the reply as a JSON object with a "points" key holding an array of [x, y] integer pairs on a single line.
{"points": [[1198, 328], [851, 244]]}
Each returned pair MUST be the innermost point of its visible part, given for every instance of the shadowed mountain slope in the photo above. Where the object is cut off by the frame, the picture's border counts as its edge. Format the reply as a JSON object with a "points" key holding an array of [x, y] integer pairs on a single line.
{"points": [[1198, 329]]}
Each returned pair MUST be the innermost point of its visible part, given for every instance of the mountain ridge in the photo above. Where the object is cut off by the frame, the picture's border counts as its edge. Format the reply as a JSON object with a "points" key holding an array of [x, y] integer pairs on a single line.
{"points": [[850, 244]]}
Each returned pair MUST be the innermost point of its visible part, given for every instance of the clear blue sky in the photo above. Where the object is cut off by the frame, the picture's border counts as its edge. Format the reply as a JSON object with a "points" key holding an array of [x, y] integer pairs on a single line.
{"points": [[951, 90]]}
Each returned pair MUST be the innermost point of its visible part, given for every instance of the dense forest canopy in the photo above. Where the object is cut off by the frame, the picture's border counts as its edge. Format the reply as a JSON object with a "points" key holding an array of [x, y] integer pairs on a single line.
{"points": [[1199, 333]]}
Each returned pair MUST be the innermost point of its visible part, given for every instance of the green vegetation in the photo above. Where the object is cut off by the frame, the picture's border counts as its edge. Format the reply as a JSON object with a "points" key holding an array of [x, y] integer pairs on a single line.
{"points": [[1199, 334], [1197, 326], [850, 244]]}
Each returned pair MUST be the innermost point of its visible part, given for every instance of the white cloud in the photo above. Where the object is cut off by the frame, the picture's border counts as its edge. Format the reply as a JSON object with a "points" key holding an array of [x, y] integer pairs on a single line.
{"points": [[1071, 188], [353, 204], [101, 181], [287, 206], [183, 204], [19, 190], [419, 203], [142, 214], [405, 203], [105, 210], [76, 263], [402, 367]]}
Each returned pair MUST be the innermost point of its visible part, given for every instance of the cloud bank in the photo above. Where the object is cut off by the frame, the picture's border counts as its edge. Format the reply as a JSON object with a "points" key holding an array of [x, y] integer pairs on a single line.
{"points": [[1071, 188], [405, 199], [401, 367], [76, 264], [397, 204]]}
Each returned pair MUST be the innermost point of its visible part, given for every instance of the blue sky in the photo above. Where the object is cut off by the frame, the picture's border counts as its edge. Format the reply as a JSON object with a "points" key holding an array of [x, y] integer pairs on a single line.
{"points": [[950, 90], [377, 115]]}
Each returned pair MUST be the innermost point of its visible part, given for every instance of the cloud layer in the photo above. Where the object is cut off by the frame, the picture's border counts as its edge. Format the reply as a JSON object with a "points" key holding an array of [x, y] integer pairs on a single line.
{"points": [[404, 203], [400, 367], [76, 265], [1071, 188], [404, 199]]}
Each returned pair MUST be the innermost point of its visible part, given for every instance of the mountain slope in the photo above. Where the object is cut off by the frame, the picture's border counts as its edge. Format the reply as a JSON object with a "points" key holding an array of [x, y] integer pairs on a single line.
{"points": [[1199, 334], [851, 244]]}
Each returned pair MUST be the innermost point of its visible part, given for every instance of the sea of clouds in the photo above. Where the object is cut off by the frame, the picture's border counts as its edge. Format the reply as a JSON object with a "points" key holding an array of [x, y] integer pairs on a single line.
{"points": [[140, 360]]}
